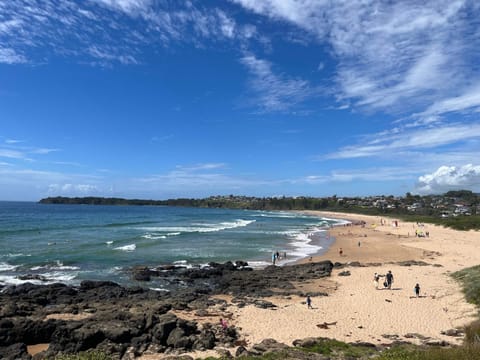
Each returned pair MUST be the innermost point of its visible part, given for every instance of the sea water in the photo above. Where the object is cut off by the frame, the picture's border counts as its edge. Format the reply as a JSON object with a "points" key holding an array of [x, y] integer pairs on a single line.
{"points": [[71, 243]]}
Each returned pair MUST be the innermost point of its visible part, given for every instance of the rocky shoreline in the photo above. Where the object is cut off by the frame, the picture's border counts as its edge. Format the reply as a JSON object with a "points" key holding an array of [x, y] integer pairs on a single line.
{"points": [[129, 322]]}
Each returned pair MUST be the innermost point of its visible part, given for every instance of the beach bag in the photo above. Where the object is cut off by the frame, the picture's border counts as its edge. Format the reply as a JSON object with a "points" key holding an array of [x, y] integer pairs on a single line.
{"points": [[385, 284]]}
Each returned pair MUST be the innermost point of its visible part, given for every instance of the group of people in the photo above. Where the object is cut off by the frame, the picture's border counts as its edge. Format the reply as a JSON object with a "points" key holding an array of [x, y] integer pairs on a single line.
{"points": [[276, 256], [387, 283], [388, 280]]}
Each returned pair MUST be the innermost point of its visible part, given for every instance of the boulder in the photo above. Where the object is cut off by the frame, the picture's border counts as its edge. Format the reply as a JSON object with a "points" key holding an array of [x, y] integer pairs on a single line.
{"points": [[161, 331], [269, 345], [177, 339], [16, 351]]}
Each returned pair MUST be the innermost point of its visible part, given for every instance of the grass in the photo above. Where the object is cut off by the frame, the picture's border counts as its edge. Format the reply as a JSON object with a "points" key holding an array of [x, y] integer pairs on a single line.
{"points": [[87, 355], [470, 279], [466, 352]]}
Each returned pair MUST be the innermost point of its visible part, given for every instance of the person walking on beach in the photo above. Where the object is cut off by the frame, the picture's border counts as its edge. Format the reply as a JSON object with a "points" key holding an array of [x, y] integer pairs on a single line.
{"points": [[309, 302], [389, 278], [417, 290]]}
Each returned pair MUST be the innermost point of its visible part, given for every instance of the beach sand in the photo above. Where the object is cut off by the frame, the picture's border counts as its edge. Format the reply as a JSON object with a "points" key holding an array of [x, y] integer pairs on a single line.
{"points": [[362, 313], [355, 311]]}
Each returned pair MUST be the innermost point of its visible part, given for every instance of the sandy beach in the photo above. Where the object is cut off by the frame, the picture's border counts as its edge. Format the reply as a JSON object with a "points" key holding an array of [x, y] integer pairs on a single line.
{"points": [[358, 311]]}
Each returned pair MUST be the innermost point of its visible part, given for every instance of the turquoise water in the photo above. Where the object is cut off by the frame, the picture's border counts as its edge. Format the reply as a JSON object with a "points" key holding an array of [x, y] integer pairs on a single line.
{"points": [[69, 243]]}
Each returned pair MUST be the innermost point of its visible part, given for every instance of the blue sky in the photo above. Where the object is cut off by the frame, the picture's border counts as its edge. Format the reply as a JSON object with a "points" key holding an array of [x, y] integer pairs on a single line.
{"points": [[163, 99]]}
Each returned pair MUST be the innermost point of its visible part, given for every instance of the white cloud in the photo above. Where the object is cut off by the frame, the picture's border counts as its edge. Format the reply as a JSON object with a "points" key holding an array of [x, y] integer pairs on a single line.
{"points": [[10, 56], [392, 56], [201, 167], [274, 92], [447, 178], [97, 31], [469, 99], [12, 154], [382, 145], [130, 7], [72, 189], [43, 151], [12, 141], [377, 174]]}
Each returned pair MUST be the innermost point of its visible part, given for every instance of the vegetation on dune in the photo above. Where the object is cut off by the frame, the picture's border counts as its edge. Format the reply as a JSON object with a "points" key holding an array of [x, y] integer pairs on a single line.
{"points": [[408, 352], [470, 279]]}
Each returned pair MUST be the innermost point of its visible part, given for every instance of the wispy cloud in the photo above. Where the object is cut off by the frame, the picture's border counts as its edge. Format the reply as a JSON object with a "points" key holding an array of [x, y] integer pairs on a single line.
{"points": [[12, 154], [426, 138], [377, 174], [13, 141], [201, 167], [201, 179], [275, 91], [74, 189], [32, 184], [103, 32], [18, 149], [392, 56]]}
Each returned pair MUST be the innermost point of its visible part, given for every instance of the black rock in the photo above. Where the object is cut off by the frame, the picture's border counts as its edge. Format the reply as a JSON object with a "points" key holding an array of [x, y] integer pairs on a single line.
{"points": [[14, 352], [166, 324]]}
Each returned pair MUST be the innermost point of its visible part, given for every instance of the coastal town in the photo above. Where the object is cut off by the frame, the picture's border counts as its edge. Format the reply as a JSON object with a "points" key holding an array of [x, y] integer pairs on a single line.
{"points": [[452, 203]]}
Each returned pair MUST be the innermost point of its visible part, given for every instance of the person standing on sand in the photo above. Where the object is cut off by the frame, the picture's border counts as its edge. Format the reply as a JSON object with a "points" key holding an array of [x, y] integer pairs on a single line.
{"points": [[389, 278], [309, 302], [376, 278], [417, 290]]}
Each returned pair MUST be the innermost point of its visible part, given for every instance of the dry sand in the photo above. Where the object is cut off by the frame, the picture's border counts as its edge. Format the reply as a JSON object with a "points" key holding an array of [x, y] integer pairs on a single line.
{"points": [[362, 313]]}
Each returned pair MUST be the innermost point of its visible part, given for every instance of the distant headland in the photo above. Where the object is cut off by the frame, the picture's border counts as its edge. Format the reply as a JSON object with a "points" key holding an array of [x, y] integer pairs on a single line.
{"points": [[457, 209]]}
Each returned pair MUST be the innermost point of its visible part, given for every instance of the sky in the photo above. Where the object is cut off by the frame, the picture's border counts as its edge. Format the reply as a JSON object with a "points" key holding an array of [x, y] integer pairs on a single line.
{"points": [[158, 99]]}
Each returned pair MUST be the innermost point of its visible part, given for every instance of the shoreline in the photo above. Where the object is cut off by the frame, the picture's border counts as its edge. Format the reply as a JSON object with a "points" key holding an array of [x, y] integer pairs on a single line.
{"points": [[362, 313], [345, 305]]}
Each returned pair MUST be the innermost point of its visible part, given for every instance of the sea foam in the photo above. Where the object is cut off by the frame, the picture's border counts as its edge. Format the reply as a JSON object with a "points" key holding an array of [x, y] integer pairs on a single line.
{"points": [[198, 227], [130, 247], [7, 267]]}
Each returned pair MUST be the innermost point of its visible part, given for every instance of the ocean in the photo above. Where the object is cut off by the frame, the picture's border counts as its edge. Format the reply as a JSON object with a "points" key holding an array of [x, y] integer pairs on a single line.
{"points": [[43, 244]]}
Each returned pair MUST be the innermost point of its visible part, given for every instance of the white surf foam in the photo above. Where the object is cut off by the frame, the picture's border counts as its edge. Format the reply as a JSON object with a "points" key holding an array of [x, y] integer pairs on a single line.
{"points": [[282, 214], [51, 277], [258, 264], [59, 276], [177, 230], [130, 247], [57, 266], [159, 289], [17, 255], [7, 267], [109, 242], [153, 237]]}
